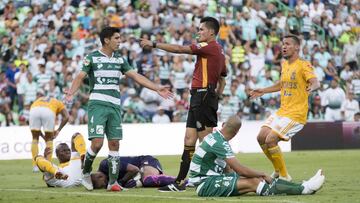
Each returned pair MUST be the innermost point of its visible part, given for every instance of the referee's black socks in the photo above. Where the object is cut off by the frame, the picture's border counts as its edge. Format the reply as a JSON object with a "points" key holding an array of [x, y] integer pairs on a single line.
{"points": [[185, 163]]}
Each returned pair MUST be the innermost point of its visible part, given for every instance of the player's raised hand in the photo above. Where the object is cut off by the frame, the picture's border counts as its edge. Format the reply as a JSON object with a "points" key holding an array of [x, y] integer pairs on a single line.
{"points": [[145, 43], [256, 93], [164, 92]]}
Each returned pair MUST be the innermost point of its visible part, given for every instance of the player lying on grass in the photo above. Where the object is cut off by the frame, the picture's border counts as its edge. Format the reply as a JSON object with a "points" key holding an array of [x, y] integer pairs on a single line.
{"points": [[215, 171], [134, 171], [68, 173]]}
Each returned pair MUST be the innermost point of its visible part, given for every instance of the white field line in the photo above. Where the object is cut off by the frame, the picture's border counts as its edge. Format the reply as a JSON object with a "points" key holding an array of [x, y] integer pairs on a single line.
{"points": [[124, 194]]}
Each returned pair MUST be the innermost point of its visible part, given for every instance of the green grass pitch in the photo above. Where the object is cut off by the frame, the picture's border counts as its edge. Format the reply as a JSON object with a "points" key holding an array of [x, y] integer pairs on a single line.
{"points": [[341, 168]]}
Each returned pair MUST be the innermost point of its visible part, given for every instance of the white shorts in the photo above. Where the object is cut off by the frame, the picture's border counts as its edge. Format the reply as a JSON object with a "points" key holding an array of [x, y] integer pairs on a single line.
{"points": [[42, 117], [284, 127]]}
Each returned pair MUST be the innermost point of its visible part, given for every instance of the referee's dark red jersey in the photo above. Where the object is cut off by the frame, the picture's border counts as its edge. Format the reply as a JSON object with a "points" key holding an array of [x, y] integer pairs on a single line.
{"points": [[210, 64]]}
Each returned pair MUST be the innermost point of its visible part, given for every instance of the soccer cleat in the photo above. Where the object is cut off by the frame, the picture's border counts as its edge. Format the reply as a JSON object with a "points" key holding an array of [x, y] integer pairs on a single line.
{"points": [[86, 181], [314, 183], [287, 178], [114, 187], [35, 169], [174, 187]]}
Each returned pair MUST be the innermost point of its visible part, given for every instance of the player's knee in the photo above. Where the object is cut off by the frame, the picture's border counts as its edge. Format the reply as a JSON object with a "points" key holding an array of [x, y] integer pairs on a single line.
{"points": [[113, 145], [38, 157], [49, 136], [260, 139], [271, 140], [264, 132], [96, 145]]}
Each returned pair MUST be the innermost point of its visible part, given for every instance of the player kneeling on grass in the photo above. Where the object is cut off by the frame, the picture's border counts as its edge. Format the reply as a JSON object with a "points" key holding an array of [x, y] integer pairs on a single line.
{"points": [[68, 173], [215, 171], [136, 171]]}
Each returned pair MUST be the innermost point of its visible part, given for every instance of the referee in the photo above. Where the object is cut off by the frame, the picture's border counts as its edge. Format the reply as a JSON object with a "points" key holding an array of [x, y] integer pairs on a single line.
{"points": [[208, 83]]}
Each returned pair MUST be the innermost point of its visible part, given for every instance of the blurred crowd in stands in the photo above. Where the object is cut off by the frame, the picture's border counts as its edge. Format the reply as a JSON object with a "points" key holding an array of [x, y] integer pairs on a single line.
{"points": [[43, 43]]}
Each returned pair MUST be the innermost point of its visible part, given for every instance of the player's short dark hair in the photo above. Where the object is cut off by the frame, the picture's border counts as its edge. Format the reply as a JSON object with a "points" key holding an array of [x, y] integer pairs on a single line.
{"points": [[57, 149], [107, 32], [294, 38], [211, 23]]}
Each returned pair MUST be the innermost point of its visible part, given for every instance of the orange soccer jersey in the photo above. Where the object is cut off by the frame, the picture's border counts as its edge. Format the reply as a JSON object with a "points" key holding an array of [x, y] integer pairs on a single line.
{"points": [[294, 97], [53, 104]]}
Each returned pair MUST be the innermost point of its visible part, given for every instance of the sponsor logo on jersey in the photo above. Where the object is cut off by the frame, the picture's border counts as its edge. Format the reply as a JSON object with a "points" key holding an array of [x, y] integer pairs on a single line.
{"points": [[103, 59], [293, 75], [114, 81], [99, 129]]}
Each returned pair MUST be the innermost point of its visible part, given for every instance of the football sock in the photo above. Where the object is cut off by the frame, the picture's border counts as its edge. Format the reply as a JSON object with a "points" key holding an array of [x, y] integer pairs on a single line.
{"points": [[89, 158], [45, 165], [79, 144], [185, 163], [114, 164], [266, 151], [278, 160], [34, 150], [49, 145], [278, 187]]}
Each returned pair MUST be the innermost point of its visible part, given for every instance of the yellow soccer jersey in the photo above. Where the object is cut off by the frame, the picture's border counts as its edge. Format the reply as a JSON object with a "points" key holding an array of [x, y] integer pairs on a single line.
{"points": [[53, 104], [294, 97]]}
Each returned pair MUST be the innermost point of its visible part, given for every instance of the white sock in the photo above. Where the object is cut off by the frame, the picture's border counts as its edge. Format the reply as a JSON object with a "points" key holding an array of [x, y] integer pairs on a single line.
{"points": [[260, 187]]}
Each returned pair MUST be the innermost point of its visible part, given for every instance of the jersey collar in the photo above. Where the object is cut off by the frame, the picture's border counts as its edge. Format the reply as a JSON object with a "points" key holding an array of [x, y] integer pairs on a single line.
{"points": [[112, 55], [220, 134]]}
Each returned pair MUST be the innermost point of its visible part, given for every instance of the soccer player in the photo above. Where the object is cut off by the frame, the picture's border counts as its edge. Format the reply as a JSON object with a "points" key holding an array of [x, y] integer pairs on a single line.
{"points": [[207, 84], [297, 81], [215, 171], [43, 113], [68, 173], [104, 68], [135, 171]]}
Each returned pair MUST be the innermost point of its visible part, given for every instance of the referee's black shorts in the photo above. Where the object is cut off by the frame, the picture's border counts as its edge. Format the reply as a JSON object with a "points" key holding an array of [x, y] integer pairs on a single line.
{"points": [[203, 108]]}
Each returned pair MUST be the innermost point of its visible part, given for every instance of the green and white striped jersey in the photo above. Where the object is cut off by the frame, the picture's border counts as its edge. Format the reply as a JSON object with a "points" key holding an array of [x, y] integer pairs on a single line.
{"points": [[209, 157], [104, 77]]}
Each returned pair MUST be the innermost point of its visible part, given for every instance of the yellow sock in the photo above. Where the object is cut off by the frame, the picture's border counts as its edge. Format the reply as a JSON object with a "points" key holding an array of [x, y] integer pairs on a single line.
{"points": [[49, 145], [278, 160], [34, 150], [80, 145], [266, 151], [45, 165]]}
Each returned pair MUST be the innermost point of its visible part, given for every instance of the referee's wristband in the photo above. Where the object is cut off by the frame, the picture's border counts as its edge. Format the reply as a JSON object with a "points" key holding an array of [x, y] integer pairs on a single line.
{"points": [[154, 44]]}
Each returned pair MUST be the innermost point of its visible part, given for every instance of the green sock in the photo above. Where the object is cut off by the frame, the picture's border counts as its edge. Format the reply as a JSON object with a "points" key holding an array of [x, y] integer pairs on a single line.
{"points": [[114, 164], [89, 159], [281, 187]]}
